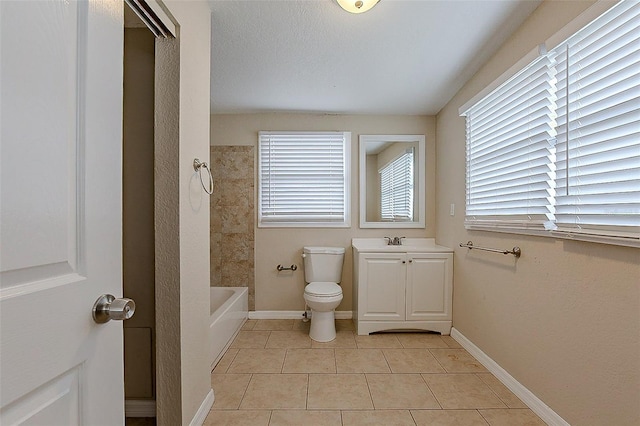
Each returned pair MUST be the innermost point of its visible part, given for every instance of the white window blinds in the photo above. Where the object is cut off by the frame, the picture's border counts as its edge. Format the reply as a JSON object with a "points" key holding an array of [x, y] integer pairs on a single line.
{"points": [[396, 187], [303, 178], [557, 147], [598, 150], [510, 137]]}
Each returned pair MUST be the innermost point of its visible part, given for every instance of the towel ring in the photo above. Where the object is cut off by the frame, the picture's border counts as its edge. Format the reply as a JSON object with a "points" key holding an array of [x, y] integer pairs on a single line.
{"points": [[198, 166]]}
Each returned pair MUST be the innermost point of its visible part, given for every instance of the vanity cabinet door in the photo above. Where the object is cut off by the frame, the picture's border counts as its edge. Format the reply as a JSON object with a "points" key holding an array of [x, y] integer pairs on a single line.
{"points": [[429, 286], [382, 290]]}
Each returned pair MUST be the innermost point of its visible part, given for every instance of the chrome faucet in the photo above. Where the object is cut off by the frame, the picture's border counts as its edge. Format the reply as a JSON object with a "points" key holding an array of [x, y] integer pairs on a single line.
{"points": [[395, 241]]}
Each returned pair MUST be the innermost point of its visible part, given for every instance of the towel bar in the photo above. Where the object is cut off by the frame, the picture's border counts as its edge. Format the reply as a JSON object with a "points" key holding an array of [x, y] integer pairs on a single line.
{"points": [[514, 251]]}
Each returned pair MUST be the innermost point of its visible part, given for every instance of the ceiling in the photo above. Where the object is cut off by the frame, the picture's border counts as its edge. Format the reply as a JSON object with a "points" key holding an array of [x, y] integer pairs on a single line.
{"points": [[406, 57]]}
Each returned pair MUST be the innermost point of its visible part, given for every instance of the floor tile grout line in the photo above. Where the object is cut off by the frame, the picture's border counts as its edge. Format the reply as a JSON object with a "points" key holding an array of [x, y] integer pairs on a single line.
{"points": [[439, 363], [373, 404], [245, 392], [431, 390], [491, 389]]}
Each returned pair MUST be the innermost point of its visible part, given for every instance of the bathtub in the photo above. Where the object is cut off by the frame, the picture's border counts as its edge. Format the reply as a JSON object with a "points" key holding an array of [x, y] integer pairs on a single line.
{"points": [[229, 311]]}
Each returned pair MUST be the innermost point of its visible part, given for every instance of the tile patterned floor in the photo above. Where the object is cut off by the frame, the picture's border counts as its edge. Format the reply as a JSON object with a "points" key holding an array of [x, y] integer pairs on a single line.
{"points": [[274, 374]]}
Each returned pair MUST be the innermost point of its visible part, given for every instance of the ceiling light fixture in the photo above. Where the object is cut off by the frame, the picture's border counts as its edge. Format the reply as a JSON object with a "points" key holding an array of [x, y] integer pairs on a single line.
{"points": [[357, 6]]}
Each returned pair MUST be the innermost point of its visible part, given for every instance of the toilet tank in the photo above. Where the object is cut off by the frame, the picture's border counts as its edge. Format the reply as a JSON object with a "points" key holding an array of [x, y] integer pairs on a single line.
{"points": [[323, 264]]}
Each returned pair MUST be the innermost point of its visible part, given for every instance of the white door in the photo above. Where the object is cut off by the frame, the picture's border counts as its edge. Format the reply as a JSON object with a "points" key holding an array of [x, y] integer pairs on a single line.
{"points": [[60, 211]]}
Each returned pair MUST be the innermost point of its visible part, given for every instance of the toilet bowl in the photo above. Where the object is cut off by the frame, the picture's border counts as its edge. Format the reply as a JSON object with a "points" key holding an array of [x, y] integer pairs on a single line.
{"points": [[323, 298], [323, 272]]}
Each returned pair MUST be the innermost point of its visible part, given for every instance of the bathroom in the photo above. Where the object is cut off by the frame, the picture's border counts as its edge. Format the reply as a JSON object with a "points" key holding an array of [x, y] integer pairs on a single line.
{"points": [[560, 297], [561, 320]]}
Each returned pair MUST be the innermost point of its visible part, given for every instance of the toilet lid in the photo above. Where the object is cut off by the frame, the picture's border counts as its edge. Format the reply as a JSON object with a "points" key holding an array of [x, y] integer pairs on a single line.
{"points": [[320, 288]]}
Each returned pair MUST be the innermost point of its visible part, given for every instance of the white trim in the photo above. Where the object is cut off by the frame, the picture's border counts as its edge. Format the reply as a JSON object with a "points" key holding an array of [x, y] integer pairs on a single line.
{"points": [[420, 179], [292, 314], [140, 408], [533, 402], [203, 411]]}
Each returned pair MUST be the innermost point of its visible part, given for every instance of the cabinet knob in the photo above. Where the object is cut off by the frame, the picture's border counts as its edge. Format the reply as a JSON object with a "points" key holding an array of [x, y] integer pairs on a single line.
{"points": [[411, 261], [404, 261]]}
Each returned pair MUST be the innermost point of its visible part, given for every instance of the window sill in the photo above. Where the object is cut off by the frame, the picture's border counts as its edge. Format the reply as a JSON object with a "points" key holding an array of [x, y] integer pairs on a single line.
{"points": [[563, 235], [303, 225]]}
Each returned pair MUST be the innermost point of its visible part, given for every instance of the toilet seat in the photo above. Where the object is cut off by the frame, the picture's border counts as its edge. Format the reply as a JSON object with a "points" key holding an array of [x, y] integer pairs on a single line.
{"points": [[323, 289]]}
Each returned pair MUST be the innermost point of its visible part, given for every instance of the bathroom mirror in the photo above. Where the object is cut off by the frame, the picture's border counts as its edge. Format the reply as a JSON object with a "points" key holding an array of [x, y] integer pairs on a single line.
{"points": [[392, 186]]}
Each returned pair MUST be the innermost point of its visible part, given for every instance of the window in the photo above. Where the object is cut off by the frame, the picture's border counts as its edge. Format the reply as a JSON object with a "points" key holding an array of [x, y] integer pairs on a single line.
{"points": [[556, 148], [396, 184], [303, 179]]}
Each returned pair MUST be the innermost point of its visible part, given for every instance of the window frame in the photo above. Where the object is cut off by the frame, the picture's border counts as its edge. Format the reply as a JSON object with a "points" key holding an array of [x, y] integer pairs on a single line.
{"points": [[264, 221]]}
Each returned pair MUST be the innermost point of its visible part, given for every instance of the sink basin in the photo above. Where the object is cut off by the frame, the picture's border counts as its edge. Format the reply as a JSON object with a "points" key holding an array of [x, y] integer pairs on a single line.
{"points": [[424, 245]]}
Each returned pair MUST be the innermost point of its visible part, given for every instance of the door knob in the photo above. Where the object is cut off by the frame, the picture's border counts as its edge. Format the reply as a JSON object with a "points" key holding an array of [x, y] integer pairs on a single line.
{"points": [[107, 307]]}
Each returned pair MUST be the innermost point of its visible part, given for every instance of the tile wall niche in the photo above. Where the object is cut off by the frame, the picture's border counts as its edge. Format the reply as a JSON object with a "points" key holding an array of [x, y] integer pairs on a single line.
{"points": [[232, 218]]}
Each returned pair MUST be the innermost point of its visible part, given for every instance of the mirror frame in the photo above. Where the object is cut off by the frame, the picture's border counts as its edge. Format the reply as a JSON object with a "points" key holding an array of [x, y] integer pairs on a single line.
{"points": [[420, 179]]}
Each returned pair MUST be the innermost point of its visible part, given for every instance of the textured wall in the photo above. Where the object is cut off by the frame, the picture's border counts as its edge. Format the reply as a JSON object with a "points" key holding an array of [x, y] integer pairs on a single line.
{"points": [[232, 218], [182, 230], [564, 319]]}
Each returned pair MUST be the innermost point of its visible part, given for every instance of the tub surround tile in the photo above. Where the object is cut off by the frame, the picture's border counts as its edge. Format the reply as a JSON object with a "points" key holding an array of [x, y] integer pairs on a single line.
{"points": [[309, 361], [400, 391], [276, 391], [458, 361], [258, 361], [229, 390], [338, 392], [512, 417], [412, 361], [462, 391], [448, 418], [232, 218], [377, 417], [305, 417], [361, 361], [236, 273]]}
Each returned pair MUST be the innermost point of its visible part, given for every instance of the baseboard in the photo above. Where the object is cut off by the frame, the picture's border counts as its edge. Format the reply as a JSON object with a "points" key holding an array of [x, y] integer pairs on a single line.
{"points": [[140, 408], [292, 314], [533, 402], [203, 411]]}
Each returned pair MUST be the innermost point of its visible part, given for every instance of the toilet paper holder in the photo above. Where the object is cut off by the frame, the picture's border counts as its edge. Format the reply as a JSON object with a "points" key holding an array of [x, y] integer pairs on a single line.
{"points": [[290, 268]]}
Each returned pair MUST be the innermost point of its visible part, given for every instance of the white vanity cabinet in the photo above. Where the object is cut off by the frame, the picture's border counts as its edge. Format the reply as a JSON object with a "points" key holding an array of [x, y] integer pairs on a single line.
{"points": [[402, 287]]}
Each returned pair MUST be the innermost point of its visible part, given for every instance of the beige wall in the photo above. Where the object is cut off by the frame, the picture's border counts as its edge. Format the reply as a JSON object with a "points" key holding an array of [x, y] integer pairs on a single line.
{"points": [[182, 214], [564, 319], [273, 246], [138, 251]]}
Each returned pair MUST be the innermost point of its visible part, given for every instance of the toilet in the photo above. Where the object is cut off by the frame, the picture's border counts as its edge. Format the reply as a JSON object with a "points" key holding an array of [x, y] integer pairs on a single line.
{"points": [[322, 273]]}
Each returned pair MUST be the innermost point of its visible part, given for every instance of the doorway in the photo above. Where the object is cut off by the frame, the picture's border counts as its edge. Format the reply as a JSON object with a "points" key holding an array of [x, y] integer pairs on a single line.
{"points": [[138, 234]]}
